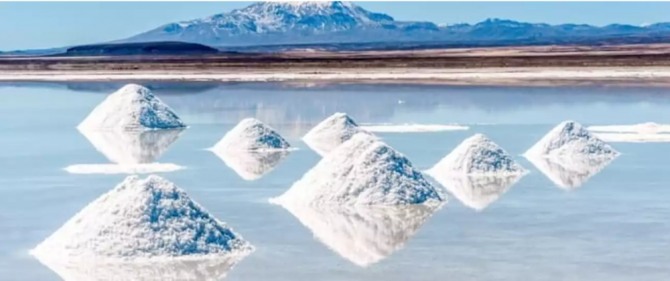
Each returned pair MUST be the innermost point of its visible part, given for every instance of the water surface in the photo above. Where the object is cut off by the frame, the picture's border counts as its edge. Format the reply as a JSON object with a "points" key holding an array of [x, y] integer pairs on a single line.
{"points": [[611, 224]]}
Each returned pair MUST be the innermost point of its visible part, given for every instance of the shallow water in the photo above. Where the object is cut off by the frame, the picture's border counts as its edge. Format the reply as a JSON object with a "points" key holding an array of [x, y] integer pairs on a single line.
{"points": [[609, 224]]}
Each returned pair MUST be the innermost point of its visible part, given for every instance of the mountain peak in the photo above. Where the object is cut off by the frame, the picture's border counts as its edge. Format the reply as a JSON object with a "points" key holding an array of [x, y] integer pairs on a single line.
{"points": [[308, 4], [292, 23], [283, 20]]}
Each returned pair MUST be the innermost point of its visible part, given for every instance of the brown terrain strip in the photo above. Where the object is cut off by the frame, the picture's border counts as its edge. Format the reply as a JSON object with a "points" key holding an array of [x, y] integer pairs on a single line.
{"points": [[617, 56]]}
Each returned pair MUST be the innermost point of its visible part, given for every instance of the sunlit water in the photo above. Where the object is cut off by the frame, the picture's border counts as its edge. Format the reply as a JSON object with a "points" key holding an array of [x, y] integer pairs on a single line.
{"points": [[612, 223]]}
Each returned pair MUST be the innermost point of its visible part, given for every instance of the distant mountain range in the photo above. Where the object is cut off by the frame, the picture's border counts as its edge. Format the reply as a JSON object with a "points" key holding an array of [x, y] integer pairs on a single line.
{"points": [[275, 23], [281, 26]]}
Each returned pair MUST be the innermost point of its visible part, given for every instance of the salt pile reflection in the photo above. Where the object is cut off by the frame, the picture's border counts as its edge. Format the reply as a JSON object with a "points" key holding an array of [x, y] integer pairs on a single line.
{"points": [[362, 234], [570, 173], [132, 152], [478, 192], [163, 270], [251, 165]]}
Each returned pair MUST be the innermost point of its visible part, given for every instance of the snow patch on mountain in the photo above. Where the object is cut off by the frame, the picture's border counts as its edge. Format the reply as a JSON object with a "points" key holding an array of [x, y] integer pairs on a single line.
{"points": [[142, 219], [365, 171], [132, 107], [331, 133], [284, 22]]}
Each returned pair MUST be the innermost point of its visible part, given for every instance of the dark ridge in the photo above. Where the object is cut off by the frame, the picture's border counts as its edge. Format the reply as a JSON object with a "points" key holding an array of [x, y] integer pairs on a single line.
{"points": [[140, 49]]}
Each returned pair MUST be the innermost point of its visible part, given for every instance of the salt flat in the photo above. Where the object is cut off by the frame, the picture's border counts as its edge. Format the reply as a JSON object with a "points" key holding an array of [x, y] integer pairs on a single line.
{"points": [[511, 75], [554, 223]]}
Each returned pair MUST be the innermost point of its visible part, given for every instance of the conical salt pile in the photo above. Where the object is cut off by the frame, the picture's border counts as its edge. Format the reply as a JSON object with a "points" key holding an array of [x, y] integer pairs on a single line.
{"points": [[570, 139], [363, 170], [132, 107], [142, 218], [252, 134], [331, 132], [477, 155]]}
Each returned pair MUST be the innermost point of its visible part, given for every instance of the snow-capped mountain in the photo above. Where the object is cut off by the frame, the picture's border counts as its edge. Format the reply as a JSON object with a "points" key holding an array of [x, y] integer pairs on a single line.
{"points": [[287, 22]]}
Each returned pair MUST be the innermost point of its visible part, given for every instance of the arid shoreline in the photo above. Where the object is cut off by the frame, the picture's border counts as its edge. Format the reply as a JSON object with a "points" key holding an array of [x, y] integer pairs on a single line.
{"points": [[493, 66]]}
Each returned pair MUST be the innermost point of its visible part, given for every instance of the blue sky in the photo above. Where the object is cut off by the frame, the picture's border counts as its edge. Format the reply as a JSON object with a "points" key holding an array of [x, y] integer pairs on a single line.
{"points": [[30, 25]]}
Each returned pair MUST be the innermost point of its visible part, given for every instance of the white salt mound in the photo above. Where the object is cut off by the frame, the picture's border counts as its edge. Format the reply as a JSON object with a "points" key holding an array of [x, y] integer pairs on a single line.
{"points": [[363, 235], [132, 107], [331, 132], [642, 128], [633, 137], [477, 155], [412, 128], [251, 134], [363, 170], [570, 139], [128, 169], [141, 219]]}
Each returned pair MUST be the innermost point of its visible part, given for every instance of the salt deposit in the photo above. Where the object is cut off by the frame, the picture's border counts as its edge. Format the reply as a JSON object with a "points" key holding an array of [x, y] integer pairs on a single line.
{"points": [[477, 192], [412, 128], [172, 270], [132, 107], [128, 169], [363, 170], [570, 173], [458, 75], [251, 134], [477, 155], [570, 139], [643, 128], [142, 219], [633, 137], [331, 132], [363, 235], [251, 165]]}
